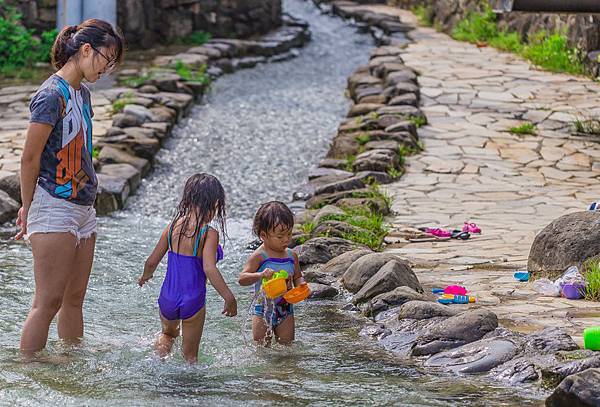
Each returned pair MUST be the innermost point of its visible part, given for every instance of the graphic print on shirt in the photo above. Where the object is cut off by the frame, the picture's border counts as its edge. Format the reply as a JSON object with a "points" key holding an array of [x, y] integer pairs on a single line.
{"points": [[76, 141]]}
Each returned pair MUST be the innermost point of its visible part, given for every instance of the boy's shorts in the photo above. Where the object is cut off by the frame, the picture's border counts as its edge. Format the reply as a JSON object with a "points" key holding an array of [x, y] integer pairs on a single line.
{"points": [[48, 214]]}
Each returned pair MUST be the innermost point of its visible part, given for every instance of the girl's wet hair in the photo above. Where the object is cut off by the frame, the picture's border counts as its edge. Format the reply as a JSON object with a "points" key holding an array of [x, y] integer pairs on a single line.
{"points": [[271, 215], [97, 33], [203, 200]]}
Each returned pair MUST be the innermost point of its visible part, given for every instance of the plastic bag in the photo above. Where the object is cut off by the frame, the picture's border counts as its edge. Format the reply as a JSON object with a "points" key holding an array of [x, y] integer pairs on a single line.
{"points": [[571, 276], [546, 287]]}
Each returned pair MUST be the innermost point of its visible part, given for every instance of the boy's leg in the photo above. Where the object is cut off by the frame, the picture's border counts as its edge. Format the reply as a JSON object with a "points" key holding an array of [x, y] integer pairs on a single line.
{"points": [[259, 330], [284, 332], [170, 331], [192, 334]]}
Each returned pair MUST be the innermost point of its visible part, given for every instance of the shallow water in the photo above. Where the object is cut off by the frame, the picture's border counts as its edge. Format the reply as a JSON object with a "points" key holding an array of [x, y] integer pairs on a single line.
{"points": [[259, 131]]}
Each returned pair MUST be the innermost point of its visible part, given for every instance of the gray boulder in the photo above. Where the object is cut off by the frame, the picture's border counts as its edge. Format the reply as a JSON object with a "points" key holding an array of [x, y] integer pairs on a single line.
{"points": [[126, 171], [11, 184], [549, 341], [334, 228], [112, 194], [322, 291], [112, 155], [567, 241], [380, 160], [322, 249], [475, 357], [425, 310], [456, 331], [326, 211], [8, 207], [398, 296], [364, 268], [578, 390], [554, 374], [340, 264], [395, 273]]}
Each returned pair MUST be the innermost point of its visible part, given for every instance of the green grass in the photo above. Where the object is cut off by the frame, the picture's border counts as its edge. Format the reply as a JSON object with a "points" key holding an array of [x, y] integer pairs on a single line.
{"points": [[371, 230], [592, 276], [196, 38], [119, 104], [135, 81], [350, 162], [363, 138], [587, 126], [549, 51], [525, 128], [374, 192], [307, 227], [418, 121], [393, 172], [423, 15]]}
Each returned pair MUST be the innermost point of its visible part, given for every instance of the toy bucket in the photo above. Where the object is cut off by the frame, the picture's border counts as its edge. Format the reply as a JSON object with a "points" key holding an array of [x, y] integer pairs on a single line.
{"points": [[276, 286], [297, 294], [591, 338], [573, 291]]}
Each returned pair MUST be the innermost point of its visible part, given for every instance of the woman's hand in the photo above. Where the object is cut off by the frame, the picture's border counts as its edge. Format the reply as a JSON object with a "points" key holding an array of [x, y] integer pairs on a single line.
{"points": [[22, 222], [144, 279], [230, 307]]}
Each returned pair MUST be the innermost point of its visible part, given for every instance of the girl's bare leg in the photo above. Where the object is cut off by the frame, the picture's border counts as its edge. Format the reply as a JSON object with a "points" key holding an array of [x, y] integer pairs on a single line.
{"points": [[259, 331], [70, 315], [170, 331], [53, 256], [284, 332], [192, 334]]}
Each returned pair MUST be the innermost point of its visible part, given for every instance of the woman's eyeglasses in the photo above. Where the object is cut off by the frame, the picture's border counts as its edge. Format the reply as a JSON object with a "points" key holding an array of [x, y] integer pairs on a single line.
{"points": [[112, 63]]}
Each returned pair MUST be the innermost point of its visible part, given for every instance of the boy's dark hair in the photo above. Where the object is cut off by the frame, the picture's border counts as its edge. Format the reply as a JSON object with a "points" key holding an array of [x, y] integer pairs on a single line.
{"points": [[270, 215], [97, 33]]}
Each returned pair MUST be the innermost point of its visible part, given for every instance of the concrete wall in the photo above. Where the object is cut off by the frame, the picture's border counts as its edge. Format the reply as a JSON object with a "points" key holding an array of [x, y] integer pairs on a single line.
{"points": [[146, 22]]}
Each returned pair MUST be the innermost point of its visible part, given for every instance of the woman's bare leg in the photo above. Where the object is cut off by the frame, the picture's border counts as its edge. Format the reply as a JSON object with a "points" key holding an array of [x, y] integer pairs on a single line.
{"points": [[70, 315], [284, 332], [53, 255], [192, 334]]}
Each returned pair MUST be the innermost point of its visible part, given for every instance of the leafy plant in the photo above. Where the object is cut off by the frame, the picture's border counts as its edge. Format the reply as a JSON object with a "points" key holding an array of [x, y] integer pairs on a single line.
{"points": [[418, 121], [19, 47], [394, 173], [136, 81], [350, 163], [307, 227], [189, 74], [525, 128], [197, 38], [587, 126], [476, 27], [119, 104], [423, 15], [370, 227], [552, 53], [592, 276]]}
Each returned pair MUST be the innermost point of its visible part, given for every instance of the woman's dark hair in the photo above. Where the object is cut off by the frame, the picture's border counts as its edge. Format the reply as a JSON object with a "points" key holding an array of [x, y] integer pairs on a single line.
{"points": [[97, 33], [204, 199], [270, 215]]}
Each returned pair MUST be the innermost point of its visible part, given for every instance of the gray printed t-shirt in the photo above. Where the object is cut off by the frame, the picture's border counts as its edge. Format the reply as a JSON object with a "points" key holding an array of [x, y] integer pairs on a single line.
{"points": [[66, 169]]}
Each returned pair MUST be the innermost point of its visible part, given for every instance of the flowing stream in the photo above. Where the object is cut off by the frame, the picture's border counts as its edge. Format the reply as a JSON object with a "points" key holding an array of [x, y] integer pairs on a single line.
{"points": [[259, 131]]}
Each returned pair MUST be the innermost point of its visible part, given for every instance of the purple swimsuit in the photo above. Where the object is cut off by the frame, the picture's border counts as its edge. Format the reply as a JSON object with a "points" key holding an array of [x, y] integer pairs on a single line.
{"points": [[183, 292]]}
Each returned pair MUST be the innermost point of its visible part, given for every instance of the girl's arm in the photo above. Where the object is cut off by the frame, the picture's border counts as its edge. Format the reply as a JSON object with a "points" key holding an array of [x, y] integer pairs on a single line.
{"points": [[298, 278], [209, 261], [37, 136], [155, 257], [249, 276]]}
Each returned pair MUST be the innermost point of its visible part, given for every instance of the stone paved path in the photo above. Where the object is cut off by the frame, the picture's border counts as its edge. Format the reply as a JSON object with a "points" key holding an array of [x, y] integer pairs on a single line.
{"points": [[512, 186]]}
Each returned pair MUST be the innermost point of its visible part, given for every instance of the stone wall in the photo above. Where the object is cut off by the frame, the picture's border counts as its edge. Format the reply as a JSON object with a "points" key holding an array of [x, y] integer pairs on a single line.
{"points": [[146, 22], [583, 30]]}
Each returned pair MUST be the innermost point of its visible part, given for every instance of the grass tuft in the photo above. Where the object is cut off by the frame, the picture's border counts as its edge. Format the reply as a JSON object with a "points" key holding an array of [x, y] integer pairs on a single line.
{"points": [[592, 276], [525, 128]]}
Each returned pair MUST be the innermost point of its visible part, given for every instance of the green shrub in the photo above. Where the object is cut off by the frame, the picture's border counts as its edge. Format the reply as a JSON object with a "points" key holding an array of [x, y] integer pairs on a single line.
{"points": [[552, 52], [476, 27], [423, 15], [197, 38], [371, 229], [189, 74], [592, 276], [307, 227], [525, 128], [19, 47]]}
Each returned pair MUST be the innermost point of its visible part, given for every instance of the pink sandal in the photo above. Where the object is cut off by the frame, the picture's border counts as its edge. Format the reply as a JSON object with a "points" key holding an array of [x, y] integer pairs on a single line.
{"points": [[437, 232], [471, 228]]}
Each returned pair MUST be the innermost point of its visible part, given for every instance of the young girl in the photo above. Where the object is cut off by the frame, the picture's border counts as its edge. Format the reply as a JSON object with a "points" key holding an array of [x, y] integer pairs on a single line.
{"points": [[273, 225], [193, 254], [58, 182]]}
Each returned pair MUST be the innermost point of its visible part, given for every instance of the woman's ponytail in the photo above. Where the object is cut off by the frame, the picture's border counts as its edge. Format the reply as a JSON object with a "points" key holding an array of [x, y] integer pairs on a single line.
{"points": [[97, 33]]}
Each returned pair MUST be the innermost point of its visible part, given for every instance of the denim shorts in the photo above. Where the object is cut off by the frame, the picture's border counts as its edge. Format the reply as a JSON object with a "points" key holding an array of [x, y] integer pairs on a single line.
{"points": [[48, 214]]}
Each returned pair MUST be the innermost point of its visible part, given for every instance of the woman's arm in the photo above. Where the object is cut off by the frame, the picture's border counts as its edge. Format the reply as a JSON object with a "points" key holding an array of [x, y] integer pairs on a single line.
{"points": [[298, 278], [209, 261], [35, 141], [249, 276], [155, 257]]}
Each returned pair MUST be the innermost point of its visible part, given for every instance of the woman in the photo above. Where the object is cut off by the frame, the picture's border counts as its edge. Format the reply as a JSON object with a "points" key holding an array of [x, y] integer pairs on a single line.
{"points": [[58, 181]]}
